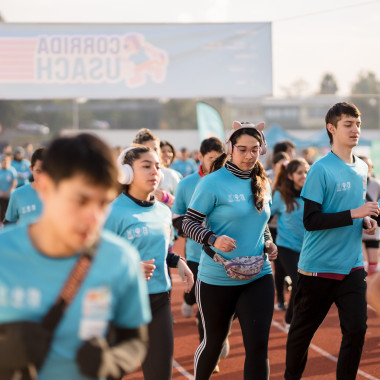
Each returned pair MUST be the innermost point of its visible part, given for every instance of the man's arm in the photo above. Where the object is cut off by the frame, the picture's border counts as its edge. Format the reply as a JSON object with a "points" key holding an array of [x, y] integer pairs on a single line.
{"points": [[314, 219]]}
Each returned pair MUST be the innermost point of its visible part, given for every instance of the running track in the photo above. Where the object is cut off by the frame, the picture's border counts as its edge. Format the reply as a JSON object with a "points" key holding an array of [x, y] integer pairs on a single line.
{"points": [[322, 354]]}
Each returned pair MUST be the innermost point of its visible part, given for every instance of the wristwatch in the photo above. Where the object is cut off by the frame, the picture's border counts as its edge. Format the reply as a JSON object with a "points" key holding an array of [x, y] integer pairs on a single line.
{"points": [[211, 240]]}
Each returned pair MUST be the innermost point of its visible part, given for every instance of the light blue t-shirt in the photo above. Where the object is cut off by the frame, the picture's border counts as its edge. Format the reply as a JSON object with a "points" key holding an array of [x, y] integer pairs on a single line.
{"points": [[226, 200], [149, 230], [183, 196], [22, 167], [113, 291], [184, 167], [7, 176], [290, 228], [337, 186], [24, 205]]}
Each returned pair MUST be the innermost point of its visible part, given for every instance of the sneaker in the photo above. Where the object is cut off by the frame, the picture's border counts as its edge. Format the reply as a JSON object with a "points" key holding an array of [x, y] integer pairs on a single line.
{"points": [[225, 349], [286, 326], [288, 283], [280, 306], [187, 310], [216, 369]]}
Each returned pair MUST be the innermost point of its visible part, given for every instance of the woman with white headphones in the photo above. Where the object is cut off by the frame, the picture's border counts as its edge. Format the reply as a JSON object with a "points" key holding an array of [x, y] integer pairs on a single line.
{"points": [[146, 224], [234, 275]]}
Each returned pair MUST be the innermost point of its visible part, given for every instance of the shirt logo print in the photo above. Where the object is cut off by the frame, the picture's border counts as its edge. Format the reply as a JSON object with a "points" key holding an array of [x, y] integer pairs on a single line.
{"points": [[344, 186], [236, 198]]}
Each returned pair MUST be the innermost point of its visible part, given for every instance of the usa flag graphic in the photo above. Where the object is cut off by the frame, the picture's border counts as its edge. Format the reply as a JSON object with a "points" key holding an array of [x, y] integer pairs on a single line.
{"points": [[17, 59]]}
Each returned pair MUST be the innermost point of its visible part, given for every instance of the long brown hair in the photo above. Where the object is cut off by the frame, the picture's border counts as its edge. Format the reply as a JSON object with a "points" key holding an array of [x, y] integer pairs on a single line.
{"points": [[258, 177], [285, 186]]}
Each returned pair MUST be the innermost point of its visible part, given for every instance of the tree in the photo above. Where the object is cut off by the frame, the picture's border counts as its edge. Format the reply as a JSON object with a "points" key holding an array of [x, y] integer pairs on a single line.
{"points": [[297, 89], [367, 83], [328, 84], [365, 94]]}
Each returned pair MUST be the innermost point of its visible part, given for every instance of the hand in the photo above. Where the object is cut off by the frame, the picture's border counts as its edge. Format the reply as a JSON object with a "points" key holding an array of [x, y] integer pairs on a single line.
{"points": [[148, 268], [186, 275], [158, 194], [225, 243], [369, 226], [368, 209], [271, 250]]}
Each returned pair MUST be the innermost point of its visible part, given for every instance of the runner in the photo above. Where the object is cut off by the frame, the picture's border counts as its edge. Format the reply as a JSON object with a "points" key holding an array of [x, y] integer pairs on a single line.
{"points": [[331, 261], [79, 180], [235, 201], [288, 205], [146, 223], [167, 188], [371, 242], [8, 182], [24, 203], [21, 164]]}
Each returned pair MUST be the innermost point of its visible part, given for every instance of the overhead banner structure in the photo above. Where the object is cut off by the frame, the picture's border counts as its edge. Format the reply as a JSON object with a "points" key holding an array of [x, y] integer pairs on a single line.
{"points": [[109, 61]]}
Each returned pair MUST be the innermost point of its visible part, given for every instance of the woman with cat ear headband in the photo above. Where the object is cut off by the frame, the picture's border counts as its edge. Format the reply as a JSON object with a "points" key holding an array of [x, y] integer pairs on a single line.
{"points": [[235, 202], [146, 224]]}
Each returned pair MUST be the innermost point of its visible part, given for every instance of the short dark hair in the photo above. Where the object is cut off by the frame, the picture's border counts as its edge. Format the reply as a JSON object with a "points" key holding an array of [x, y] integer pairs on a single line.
{"points": [[334, 114], [37, 155], [143, 135], [83, 154], [211, 144], [280, 156], [283, 146]]}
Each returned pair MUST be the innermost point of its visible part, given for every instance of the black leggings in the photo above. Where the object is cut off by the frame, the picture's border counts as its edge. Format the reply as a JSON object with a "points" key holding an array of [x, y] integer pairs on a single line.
{"points": [[289, 260], [158, 363], [253, 305], [190, 297]]}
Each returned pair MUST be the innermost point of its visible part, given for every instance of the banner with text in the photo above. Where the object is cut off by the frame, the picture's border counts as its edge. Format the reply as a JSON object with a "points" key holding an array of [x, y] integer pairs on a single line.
{"points": [[110, 61]]}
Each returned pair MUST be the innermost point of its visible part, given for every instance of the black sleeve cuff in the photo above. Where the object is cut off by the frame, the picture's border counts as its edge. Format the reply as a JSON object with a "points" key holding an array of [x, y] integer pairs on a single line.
{"points": [[207, 236], [172, 260]]}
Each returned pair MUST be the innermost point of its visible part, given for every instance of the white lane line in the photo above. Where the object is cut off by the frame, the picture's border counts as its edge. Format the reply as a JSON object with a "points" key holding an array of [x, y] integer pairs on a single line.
{"points": [[182, 370], [325, 353]]}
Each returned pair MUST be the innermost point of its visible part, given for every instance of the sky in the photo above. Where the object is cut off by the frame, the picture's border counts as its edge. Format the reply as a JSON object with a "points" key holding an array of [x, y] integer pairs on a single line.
{"points": [[309, 38]]}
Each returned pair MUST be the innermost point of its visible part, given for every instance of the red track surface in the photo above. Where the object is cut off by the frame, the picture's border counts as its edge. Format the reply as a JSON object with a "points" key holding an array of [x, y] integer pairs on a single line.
{"points": [[319, 366]]}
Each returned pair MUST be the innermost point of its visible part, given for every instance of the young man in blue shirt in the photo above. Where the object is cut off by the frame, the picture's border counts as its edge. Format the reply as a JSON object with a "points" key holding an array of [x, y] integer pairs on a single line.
{"points": [[78, 181], [22, 166], [331, 261], [8, 182], [25, 204]]}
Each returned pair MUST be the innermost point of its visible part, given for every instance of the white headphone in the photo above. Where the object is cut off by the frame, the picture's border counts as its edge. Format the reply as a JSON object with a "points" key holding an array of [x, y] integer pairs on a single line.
{"points": [[236, 125], [126, 171]]}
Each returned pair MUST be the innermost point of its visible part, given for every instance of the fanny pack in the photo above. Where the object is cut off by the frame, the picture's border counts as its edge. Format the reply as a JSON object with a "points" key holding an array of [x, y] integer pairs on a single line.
{"points": [[239, 268], [24, 345]]}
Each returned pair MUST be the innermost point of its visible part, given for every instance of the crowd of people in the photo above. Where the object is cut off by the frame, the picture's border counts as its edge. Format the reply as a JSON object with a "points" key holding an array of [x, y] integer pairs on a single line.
{"points": [[87, 251]]}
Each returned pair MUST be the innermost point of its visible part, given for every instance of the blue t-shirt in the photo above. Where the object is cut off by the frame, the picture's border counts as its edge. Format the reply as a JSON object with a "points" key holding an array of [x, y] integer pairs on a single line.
{"points": [[227, 202], [290, 228], [183, 196], [113, 291], [24, 205], [337, 186], [149, 230], [184, 167], [22, 167], [7, 176]]}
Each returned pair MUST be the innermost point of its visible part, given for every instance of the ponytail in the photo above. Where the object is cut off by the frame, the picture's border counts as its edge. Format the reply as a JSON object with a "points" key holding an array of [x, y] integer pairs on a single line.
{"points": [[218, 163], [258, 185]]}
